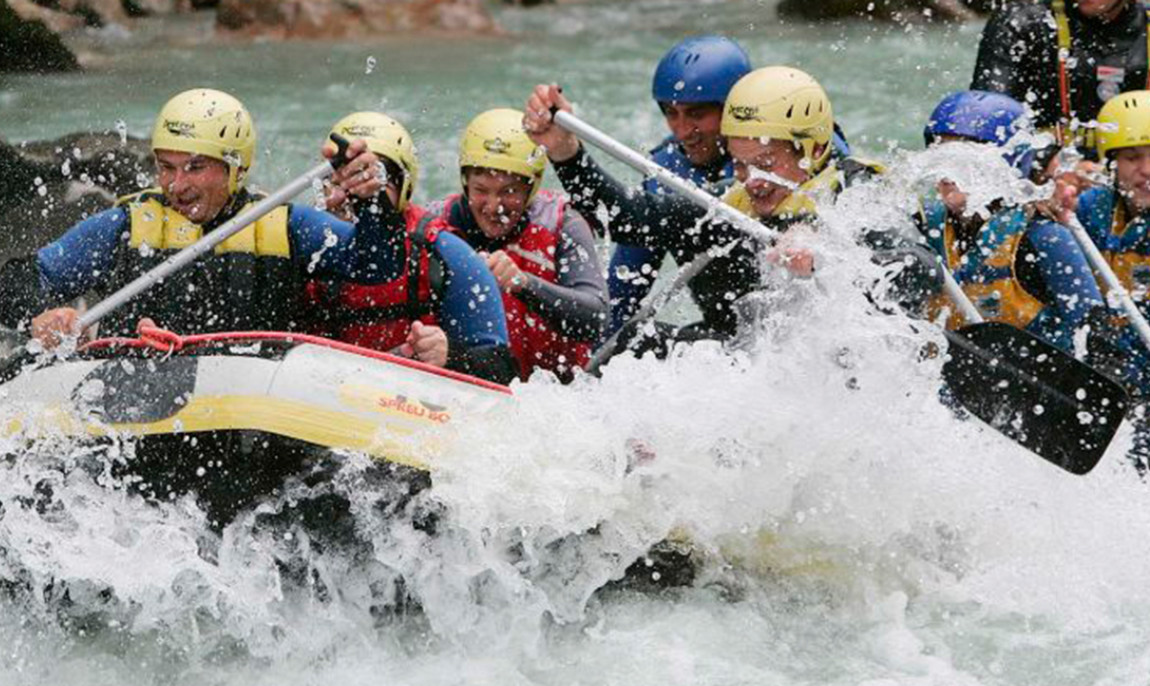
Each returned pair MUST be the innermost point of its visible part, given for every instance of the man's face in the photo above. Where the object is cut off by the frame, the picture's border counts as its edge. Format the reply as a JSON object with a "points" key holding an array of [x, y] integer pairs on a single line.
{"points": [[696, 126], [195, 186], [778, 158], [497, 200], [1102, 9], [1132, 170]]}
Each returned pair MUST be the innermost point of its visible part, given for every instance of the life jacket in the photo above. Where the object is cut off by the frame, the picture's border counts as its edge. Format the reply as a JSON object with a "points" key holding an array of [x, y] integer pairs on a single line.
{"points": [[1124, 243], [379, 315], [534, 344], [1069, 131], [249, 282], [836, 175], [987, 271]]}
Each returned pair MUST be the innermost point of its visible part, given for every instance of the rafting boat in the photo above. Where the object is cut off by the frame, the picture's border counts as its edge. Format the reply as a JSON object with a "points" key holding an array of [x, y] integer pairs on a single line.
{"points": [[251, 407]]}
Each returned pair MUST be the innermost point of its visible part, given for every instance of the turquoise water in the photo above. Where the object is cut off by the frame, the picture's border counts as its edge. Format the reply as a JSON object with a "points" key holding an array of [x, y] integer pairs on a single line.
{"points": [[883, 79]]}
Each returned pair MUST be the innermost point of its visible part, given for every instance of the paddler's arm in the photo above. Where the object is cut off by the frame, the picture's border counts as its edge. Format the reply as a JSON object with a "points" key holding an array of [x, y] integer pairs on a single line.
{"points": [[1017, 55], [63, 270], [1050, 255], [324, 245], [636, 217], [471, 314], [577, 305]]}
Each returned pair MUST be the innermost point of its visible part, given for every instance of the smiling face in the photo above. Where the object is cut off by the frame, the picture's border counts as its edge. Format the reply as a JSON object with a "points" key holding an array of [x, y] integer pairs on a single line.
{"points": [[497, 200], [779, 158], [194, 185], [1132, 171], [695, 125]]}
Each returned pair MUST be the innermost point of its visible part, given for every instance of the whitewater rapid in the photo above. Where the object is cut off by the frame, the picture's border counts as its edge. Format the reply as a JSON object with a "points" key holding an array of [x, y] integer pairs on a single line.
{"points": [[850, 530]]}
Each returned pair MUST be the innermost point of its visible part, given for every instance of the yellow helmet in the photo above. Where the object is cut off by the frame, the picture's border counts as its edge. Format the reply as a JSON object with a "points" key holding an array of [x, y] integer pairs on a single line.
{"points": [[387, 138], [1124, 122], [211, 123], [781, 103], [496, 140]]}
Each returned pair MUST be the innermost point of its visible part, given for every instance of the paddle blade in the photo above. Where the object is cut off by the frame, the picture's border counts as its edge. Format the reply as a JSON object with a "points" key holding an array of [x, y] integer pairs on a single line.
{"points": [[1037, 395]]}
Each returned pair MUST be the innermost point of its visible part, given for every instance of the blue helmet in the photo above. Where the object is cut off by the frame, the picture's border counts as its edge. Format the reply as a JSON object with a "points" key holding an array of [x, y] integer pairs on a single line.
{"points": [[699, 69], [984, 117]]}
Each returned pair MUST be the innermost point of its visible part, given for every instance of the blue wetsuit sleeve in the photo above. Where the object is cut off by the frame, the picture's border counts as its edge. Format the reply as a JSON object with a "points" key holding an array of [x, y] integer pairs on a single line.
{"points": [[1072, 290], [82, 258], [324, 245], [629, 279], [471, 309]]}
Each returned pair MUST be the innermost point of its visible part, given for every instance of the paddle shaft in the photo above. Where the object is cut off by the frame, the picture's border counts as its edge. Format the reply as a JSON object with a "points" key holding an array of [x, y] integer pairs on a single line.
{"points": [[668, 178], [1098, 262]]}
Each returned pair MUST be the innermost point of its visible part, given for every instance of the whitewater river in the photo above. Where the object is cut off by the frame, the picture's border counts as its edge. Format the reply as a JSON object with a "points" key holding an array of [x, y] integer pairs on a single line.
{"points": [[851, 531]]}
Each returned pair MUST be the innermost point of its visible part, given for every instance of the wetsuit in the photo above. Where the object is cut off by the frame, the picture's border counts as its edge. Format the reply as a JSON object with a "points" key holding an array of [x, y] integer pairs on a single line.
{"points": [[1018, 56], [634, 268], [414, 270], [224, 291], [560, 311], [1019, 269], [678, 227]]}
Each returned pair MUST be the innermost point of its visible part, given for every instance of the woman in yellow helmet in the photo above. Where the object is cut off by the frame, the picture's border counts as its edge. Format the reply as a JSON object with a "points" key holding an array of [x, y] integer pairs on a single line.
{"points": [[204, 143], [779, 124], [540, 250], [420, 291]]}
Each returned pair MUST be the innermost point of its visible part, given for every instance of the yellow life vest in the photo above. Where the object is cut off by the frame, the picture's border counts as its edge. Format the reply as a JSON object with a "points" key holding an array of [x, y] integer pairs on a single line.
{"points": [[800, 203], [1130, 266], [988, 275], [161, 228]]}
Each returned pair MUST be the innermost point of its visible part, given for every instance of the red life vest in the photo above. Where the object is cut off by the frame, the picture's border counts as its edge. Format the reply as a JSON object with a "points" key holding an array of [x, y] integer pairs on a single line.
{"points": [[379, 316], [534, 344]]}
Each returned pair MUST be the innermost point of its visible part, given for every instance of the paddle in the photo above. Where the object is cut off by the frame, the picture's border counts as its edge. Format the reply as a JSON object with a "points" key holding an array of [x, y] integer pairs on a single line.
{"points": [[22, 356], [1102, 267], [1034, 393]]}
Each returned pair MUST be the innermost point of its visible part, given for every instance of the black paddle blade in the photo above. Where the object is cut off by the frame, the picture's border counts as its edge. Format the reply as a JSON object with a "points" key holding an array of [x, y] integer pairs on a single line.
{"points": [[1037, 395]]}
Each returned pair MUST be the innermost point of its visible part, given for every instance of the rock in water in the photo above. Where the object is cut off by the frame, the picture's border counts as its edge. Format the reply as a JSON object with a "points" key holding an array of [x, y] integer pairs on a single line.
{"points": [[351, 18], [46, 187], [28, 42]]}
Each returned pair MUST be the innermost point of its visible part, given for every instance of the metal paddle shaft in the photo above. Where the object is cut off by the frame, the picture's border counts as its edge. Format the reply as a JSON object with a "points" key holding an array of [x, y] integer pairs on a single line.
{"points": [[194, 251], [668, 178], [1102, 267]]}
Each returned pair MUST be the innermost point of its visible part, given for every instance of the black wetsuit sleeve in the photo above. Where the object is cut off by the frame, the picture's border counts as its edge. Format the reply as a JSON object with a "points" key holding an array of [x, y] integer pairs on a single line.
{"points": [[649, 220], [491, 362], [577, 305], [1017, 55], [21, 297]]}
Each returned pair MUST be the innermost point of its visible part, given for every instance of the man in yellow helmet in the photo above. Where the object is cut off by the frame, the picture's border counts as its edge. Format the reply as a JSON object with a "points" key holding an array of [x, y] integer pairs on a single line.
{"points": [[421, 292], [541, 251], [779, 124], [204, 144]]}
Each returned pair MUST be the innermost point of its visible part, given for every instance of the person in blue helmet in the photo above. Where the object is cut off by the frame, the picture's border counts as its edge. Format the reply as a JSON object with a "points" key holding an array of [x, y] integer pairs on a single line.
{"points": [[1017, 265], [690, 85]]}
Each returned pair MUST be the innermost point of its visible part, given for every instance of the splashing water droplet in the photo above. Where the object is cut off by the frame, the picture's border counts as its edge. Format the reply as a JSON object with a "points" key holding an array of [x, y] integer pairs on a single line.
{"points": [[122, 129], [371, 62]]}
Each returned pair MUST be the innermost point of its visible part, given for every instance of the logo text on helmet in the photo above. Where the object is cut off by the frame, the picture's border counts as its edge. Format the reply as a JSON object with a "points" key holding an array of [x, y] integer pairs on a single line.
{"points": [[745, 112], [497, 146], [180, 128], [359, 130]]}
